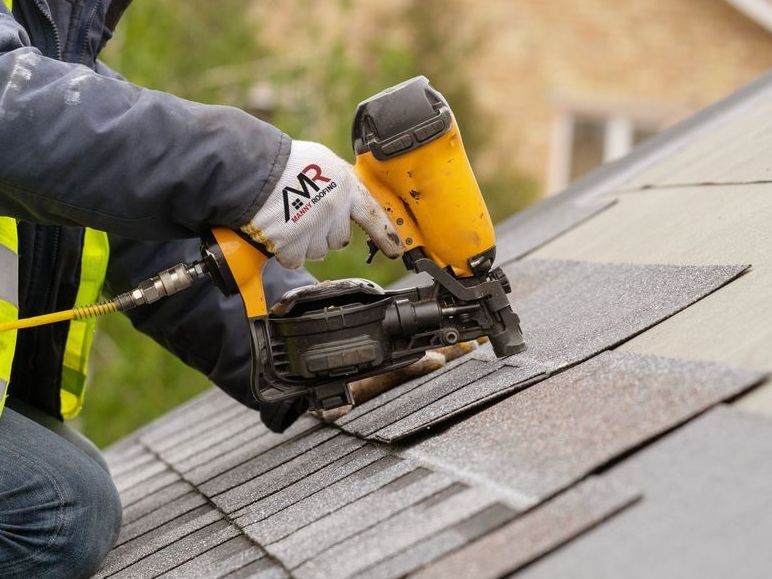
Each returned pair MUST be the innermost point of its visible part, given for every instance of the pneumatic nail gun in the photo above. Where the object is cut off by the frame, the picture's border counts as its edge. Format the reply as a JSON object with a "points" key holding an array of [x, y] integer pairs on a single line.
{"points": [[318, 338]]}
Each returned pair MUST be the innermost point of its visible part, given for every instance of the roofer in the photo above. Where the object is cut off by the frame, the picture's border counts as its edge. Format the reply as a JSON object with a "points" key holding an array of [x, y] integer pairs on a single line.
{"points": [[101, 180]]}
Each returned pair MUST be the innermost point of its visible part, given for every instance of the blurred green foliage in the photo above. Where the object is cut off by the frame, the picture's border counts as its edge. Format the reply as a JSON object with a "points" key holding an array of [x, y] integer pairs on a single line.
{"points": [[183, 47], [210, 52]]}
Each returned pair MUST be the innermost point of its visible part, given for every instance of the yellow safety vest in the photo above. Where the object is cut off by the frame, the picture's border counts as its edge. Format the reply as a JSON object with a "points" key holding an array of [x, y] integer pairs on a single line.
{"points": [[9, 299], [93, 266], [9, 290]]}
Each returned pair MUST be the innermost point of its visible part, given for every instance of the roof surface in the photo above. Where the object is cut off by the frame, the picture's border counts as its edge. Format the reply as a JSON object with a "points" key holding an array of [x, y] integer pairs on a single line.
{"points": [[630, 439]]}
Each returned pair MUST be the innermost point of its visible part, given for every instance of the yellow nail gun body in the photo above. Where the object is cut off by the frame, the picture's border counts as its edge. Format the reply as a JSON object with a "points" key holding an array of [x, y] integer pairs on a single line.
{"points": [[419, 173], [410, 156]]}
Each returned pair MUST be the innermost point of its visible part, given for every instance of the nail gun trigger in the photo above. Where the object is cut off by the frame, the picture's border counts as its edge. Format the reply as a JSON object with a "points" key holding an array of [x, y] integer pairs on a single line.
{"points": [[372, 250]]}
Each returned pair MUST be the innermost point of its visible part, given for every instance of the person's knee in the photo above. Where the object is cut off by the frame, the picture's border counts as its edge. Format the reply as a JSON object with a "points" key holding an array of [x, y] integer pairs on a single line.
{"points": [[69, 518], [94, 509]]}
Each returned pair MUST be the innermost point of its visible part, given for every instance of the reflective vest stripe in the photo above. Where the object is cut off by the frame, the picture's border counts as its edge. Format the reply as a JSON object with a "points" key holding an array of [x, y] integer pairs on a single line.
{"points": [[7, 345], [94, 257], [8, 4], [93, 266], [9, 265], [9, 308]]}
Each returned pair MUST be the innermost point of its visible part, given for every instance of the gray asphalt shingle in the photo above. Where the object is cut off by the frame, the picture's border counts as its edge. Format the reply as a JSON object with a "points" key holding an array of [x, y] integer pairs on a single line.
{"points": [[223, 451], [288, 496], [138, 475], [571, 311], [536, 533], [323, 502], [244, 485], [198, 429], [550, 435], [271, 529], [397, 533], [228, 557], [516, 238], [706, 512], [160, 515], [402, 406], [348, 521], [135, 456], [155, 500], [245, 458], [186, 416], [196, 443], [208, 492], [169, 533], [371, 406], [148, 487], [438, 544], [183, 549]]}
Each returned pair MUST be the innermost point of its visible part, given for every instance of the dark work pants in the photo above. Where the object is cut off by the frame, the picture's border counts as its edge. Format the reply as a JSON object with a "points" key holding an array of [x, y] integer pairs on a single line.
{"points": [[60, 512]]}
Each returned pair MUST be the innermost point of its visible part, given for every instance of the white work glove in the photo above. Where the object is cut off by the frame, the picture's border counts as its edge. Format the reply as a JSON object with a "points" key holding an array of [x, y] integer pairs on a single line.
{"points": [[310, 210]]}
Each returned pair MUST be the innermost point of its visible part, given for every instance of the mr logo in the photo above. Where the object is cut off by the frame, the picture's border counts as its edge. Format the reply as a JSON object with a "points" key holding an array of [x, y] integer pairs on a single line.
{"points": [[307, 179]]}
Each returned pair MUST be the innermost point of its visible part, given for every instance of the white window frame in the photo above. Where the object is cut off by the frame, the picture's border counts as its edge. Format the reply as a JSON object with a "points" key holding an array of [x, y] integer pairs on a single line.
{"points": [[757, 10], [620, 120]]}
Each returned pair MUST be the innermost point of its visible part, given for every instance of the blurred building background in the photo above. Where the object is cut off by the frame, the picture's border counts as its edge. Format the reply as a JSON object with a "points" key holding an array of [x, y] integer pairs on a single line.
{"points": [[551, 88], [544, 90]]}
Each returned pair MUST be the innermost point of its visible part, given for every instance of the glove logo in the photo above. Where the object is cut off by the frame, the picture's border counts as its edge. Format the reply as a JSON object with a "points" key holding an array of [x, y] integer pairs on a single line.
{"points": [[302, 200]]}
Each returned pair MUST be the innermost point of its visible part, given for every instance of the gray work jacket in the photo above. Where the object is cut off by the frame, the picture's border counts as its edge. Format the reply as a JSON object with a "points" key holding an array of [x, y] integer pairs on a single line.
{"points": [[83, 147]]}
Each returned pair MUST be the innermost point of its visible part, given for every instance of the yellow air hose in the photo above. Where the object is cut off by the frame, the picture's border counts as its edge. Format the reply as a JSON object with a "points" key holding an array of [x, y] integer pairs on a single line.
{"points": [[79, 313], [166, 283]]}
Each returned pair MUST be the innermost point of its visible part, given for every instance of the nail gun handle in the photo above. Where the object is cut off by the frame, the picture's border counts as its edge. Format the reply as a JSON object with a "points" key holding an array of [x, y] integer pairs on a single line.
{"points": [[410, 156], [236, 264]]}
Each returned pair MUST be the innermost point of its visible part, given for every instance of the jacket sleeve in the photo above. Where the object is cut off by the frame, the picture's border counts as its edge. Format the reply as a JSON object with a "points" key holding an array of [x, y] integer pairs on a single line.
{"points": [[201, 326], [204, 328], [81, 148]]}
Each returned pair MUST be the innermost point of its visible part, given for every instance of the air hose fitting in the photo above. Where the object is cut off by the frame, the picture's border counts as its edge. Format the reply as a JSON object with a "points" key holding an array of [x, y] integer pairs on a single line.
{"points": [[167, 283]]}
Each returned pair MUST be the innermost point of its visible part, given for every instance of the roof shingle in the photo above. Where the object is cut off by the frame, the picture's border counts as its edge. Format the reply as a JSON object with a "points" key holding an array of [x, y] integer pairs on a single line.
{"points": [[525, 454]]}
